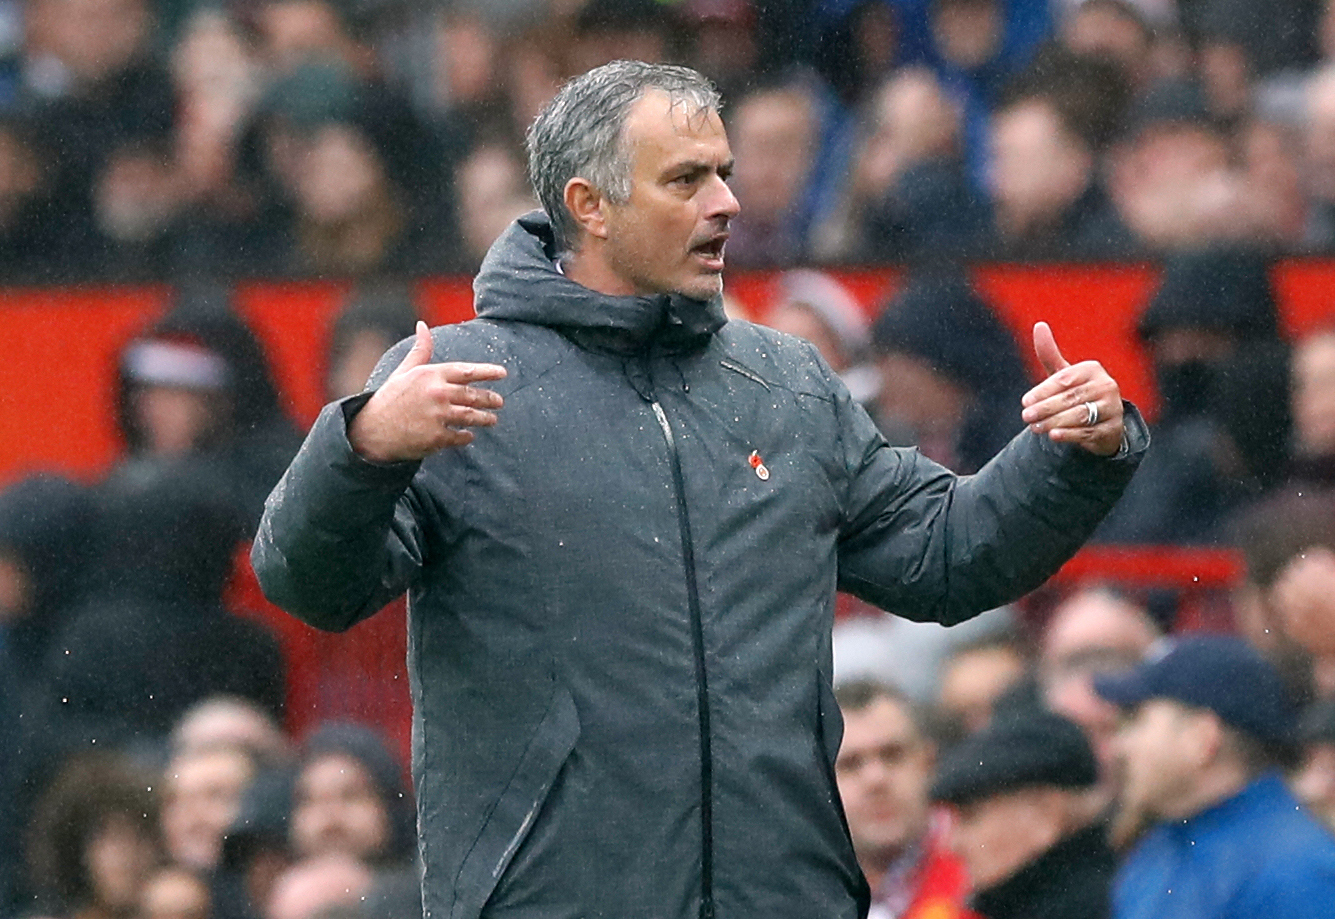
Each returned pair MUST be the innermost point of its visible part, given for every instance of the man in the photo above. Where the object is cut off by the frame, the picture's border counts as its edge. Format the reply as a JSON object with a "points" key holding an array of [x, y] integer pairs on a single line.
{"points": [[622, 595], [1018, 818], [1205, 717], [885, 768]]}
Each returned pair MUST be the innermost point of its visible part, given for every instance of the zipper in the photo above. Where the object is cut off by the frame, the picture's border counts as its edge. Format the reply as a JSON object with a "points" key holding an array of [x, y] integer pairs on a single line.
{"points": [[701, 673]]}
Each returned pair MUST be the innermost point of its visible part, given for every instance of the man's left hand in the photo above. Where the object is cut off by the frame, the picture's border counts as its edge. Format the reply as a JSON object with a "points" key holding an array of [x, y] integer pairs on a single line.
{"points": [[1077, 404]]}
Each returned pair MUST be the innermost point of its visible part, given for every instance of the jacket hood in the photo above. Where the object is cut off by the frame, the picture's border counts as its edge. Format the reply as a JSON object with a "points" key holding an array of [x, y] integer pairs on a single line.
{"points": [[519, 281]]}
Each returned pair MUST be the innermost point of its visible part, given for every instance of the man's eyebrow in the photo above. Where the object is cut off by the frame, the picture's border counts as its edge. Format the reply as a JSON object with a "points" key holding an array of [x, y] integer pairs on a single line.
{"points": [[683, 167]]}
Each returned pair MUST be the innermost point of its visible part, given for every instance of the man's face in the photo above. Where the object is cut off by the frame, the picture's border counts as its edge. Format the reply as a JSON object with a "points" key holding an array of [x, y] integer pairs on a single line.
{"points": [[338, 810], [668, 236], [998, 835], [1159, 750], [884, 770], [203, 794]]}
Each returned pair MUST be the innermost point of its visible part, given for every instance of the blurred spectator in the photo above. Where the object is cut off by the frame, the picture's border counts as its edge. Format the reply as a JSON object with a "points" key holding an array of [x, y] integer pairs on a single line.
{"points": [[31, 241], [314, 886], [1221, 369], [1172, 178], [1313, 399], [1313, 779], [974, 677], [95, 87], [175, 893], [859, 47], [815, 306], [907, 193], [976, 46], [907, 654], [364, 329], [153, 637], [45, 551], [1018, 823], [201, 796], [1112, 30], [135, 205], [231, 721], [294, 32], [1279, 607], [1240, 42], [351, 799], [93, 842], [884, 770], [344, 165], [222, 220], [492, 191], [44, 554], [1091, 632], [1048, 200], [775, 133], [196, 383], [723, 43], [1207, 717], [255, 848], [610, 30], [951, 373]]}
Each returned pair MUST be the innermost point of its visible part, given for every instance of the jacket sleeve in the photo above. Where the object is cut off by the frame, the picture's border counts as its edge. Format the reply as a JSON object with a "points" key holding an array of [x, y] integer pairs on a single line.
{"points": [[340, 536], [926, 544]]}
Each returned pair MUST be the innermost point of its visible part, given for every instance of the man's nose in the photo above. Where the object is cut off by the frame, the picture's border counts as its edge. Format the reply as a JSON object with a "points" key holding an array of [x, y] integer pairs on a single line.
{"points": [[722, 202]]}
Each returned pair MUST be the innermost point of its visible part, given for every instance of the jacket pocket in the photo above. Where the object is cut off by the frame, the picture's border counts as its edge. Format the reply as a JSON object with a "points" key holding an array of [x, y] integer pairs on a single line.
{"points": [[515, 810]]}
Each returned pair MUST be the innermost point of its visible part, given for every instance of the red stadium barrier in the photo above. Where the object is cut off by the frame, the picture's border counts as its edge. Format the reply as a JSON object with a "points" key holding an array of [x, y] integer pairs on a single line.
{"points": [[57, 414]]}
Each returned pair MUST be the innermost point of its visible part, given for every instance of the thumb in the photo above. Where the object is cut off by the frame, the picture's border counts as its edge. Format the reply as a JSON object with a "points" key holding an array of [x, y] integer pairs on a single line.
{"points": [[1045, 346], [420, 353]]}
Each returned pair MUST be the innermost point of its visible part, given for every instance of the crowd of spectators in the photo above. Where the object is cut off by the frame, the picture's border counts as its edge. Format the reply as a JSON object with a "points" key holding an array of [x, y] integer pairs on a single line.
{"points": [[149, 772], [188, 138]]}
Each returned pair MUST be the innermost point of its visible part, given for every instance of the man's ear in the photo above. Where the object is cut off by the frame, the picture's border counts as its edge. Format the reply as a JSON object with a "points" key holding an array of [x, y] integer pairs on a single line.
{"points": [[585, 204]]}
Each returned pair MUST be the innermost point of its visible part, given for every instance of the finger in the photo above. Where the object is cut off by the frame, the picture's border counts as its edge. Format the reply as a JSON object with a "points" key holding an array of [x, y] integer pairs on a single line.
{"points": [[419, 354], [461, 372], [463, 417], [1045, 347], [1082, 382]]}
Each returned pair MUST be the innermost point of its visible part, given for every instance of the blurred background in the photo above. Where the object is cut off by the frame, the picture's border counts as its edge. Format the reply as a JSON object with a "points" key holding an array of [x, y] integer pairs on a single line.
{"points": [[215, 216]]}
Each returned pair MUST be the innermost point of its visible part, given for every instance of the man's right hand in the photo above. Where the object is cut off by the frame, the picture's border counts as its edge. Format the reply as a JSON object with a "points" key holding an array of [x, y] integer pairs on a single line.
{"points": [[424, 407]]}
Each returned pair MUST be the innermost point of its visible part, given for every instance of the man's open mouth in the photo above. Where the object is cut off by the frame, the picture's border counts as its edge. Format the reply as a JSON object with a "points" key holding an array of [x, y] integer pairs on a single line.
{"points": [[711, 250]]}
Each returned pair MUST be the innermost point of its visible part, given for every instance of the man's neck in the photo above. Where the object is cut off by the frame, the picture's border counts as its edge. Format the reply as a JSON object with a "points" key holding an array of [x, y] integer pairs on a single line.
{"points": [[587, 270]]}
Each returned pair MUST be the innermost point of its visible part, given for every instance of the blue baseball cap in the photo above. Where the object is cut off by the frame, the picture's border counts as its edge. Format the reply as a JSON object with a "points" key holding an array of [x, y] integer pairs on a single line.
{"points": [[1216, 672]]}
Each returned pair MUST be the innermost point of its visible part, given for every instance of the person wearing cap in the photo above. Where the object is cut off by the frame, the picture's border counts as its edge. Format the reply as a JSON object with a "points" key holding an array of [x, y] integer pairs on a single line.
{"points": [[1207, 722], [1015, 790]]}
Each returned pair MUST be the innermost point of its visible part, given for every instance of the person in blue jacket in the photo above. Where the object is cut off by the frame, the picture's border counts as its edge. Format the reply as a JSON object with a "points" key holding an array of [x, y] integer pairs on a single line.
{"points": [[1208, 719]]}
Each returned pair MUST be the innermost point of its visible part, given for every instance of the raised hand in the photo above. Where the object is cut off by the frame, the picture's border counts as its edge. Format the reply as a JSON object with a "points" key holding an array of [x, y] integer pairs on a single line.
{"points": [[424, 407], [1077, 403]]}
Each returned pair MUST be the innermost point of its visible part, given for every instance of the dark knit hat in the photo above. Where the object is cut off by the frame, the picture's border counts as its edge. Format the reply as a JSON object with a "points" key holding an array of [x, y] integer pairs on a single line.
{"points": [[1022, 748], [1213, 289], [1221, 673], [369, 748], [937, 317]]}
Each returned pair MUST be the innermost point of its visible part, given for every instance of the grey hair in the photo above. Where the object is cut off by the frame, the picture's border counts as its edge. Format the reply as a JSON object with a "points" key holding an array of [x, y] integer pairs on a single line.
{"points": [[580, 132]]}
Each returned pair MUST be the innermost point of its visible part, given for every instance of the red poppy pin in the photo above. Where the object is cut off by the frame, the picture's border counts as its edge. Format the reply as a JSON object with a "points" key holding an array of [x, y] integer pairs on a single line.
{"points": [[762, 471]]}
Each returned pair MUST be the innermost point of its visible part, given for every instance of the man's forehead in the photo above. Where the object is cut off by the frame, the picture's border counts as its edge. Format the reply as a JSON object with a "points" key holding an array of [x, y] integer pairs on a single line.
{"points": [[658, 118], [884, 720]]}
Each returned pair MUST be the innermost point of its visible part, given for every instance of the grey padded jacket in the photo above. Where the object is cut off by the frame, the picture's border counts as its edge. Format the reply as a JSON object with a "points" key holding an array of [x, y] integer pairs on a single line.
{"points": [[621, 597]]}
